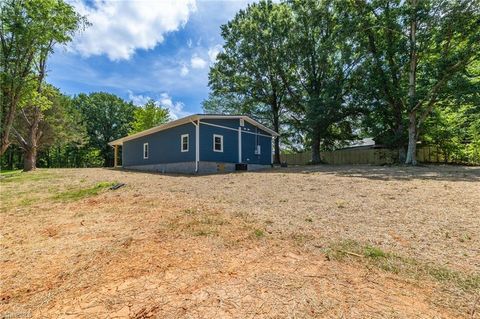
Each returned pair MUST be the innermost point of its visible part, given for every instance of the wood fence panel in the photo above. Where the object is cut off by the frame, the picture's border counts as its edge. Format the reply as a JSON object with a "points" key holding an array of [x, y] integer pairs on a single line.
{"points": [[378, 156]]}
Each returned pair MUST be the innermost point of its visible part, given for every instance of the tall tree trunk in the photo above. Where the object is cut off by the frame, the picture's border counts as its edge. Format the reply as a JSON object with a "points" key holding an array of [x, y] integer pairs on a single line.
{"points": [[399, 141], [402, 154], [9, 110], [276, 128], [30, 159], [31, 144], [412, 139], [316, 150], [276, 157], [11, 153], [412, 79]]}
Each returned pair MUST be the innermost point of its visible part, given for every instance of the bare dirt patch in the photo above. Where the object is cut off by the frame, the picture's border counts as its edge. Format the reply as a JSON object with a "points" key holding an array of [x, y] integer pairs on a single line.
{"points": [[264, 244]]}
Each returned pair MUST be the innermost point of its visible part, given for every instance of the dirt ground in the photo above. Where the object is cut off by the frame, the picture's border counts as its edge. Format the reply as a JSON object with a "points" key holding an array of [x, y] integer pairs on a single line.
{"points": [[305, 242]]}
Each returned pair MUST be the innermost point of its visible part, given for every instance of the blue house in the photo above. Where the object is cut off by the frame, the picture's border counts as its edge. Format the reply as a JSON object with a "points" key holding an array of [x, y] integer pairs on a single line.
{"points": [[199, 143]]}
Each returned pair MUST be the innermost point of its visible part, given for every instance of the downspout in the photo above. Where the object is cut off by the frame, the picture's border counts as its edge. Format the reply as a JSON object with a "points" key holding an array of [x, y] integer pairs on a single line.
{"points": [[197, 144], [271, 149], [239, 144]]}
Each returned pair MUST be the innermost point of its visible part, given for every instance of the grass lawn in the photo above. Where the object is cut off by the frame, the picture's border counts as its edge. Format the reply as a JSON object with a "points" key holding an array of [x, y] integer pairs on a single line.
{"points": [[306, 242]]}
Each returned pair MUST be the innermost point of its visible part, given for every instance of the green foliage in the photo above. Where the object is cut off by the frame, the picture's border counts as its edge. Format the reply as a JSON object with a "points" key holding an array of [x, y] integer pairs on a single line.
{"points": [[321, 52], [258, 233], [412, 51], [106, 117], [77, 194], [397, 264], [30, 29], [18, 176], [306, 68], [148, 116], [246, 75], [373, 252], [224, 103]]}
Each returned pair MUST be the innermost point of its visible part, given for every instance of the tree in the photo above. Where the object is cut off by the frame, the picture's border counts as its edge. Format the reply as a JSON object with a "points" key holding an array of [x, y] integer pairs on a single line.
{"points": [[225, 103], [148, 116], [59, 125], [454, 125], [248, 67], [413, 49], [324, 60], [29, 29], [106, 117]]}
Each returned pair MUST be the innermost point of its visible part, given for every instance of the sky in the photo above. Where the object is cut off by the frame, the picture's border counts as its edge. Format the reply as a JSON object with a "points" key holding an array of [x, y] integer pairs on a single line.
{"points": [[144, 49]]}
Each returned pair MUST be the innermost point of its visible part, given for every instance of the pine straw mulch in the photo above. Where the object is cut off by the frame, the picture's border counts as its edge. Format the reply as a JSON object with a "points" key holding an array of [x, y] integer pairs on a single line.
{"points": [[238, 245]]}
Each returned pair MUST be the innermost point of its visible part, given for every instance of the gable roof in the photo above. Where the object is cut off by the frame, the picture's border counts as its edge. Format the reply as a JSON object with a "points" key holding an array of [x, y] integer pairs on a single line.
{"points": [[189, 119]]}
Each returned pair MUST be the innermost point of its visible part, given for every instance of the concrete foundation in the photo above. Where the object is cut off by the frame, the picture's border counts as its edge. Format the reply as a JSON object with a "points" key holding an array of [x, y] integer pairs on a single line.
{"points": [[182, 168], [189, 167]]}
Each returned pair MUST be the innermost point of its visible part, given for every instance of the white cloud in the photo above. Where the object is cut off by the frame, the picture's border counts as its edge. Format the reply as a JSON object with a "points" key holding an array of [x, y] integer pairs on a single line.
{"points": [[213, 52], [197, 62], [176, 109], [184, 70], [138, 100], [121, 27]]}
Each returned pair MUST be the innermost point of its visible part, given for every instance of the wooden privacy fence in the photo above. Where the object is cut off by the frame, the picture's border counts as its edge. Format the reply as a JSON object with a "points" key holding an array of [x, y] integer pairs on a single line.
{"points": [[354, 156], [374, 156]]}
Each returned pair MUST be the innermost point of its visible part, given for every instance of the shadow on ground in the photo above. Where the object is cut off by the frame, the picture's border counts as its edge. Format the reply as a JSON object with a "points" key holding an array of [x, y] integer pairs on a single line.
{"points": [[387, 173], [381, 173]]}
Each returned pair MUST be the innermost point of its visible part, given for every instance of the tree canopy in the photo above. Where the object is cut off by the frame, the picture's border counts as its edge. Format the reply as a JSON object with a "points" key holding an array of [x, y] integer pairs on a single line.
{"points": [[342, 69], [321, 73], [148, 116]]}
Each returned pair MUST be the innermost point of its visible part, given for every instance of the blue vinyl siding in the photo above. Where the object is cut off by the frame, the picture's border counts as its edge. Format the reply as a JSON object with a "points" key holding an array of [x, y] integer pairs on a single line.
{"points": [[249, 145], [252, 128], [163, 147], [230, 141]]}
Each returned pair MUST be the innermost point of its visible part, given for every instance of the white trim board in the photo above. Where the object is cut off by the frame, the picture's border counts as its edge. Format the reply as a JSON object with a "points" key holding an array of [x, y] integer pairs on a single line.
{"points": [[181, 143], [147, 148], [221, 143], [235, 129]]}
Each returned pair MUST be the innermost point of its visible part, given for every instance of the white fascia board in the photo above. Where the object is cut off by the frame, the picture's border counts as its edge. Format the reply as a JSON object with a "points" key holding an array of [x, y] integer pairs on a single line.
{"points": [[152, 130]]}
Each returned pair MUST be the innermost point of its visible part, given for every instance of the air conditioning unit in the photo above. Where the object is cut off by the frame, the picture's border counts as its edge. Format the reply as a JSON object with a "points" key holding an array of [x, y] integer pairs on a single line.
{"points": [[258, 151]]}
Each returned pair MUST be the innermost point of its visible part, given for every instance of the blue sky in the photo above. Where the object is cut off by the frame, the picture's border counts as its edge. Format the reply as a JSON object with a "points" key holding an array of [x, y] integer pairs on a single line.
{"points": [[144, 49]]}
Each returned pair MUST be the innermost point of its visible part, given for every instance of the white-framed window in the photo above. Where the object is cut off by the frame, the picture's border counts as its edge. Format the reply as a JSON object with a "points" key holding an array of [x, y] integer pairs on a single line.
{"points": [[145, 150], [242, 122], [184, 142], [217, 143]]}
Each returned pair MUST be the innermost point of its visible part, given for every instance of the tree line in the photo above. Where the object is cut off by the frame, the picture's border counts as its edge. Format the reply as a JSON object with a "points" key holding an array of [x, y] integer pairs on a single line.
{"points": [[323, 73], [40, 125]]}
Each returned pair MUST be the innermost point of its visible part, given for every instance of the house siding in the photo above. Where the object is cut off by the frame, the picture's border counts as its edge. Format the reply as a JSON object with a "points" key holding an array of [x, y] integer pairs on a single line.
{"points": [[163, 147], [249, 145], [230, 141]]}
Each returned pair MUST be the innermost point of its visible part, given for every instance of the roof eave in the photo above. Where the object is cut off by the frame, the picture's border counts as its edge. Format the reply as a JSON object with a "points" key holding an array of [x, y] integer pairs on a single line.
{"points": [[185, 120]]}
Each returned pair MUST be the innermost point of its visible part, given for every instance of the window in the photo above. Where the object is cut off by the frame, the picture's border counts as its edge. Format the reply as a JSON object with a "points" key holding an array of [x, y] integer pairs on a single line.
{"points": [[145, 150], [242, 122], [217, 143], [184, 141]]}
